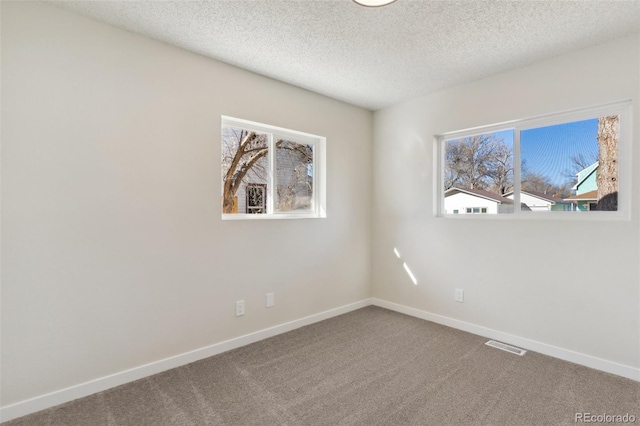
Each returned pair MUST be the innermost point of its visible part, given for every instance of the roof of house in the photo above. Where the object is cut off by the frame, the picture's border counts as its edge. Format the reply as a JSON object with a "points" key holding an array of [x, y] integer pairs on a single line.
{"points": [[587, 196], [479, 193], [542, 196], [584, 174]]}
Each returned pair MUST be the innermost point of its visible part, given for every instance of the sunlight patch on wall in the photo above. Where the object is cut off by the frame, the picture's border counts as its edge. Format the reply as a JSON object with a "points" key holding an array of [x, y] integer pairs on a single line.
{"points": [[406, 267], [413, 278]]}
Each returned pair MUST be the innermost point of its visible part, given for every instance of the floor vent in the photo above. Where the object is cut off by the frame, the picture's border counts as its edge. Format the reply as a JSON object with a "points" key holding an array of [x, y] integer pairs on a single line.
{"points": [[506, 347]]}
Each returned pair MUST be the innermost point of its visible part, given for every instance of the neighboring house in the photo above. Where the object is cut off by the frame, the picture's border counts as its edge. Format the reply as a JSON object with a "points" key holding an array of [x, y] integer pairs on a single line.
{"points": [[586, 189], [585, 201], [586, 180], [251, 196], [537, 201], [293, 181], [475, 201], [294, 177]]}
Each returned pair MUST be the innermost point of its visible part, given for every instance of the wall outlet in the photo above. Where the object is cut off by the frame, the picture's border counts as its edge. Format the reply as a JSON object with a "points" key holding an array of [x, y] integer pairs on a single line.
{"points": [[240, 308], [459, 295], [270, 300]]}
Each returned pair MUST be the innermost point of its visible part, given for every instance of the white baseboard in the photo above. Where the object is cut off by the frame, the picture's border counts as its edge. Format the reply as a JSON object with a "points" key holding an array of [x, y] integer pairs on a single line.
{"points": [[532, 345], [52, 399]]}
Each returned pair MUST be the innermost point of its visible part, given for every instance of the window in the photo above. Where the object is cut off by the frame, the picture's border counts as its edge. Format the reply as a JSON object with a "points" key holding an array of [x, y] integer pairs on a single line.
{"points": [[566, 162], [473, 210], [478, 169], [271, 172]]}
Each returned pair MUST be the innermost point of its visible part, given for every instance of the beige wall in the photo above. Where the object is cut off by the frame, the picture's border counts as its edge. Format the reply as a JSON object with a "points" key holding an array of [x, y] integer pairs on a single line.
{"points": [[113, 251], [588, 301]]}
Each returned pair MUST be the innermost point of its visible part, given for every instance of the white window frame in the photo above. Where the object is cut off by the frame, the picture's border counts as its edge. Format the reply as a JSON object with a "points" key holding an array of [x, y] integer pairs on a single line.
{"points": [[318, 202], [622, 108]]}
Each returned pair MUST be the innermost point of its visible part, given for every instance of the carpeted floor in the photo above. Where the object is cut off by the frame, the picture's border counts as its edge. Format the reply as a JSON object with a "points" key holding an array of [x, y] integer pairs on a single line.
{"points": [[368, 367]]}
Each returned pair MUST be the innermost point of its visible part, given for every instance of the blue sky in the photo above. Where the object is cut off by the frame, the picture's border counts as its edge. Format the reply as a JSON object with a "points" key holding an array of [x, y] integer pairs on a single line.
{"points": [[548, 150]]}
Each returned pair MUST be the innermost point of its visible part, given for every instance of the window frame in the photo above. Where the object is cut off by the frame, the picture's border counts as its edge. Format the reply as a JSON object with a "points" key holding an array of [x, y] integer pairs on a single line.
{"points": [[318, 199], [621, 108]]}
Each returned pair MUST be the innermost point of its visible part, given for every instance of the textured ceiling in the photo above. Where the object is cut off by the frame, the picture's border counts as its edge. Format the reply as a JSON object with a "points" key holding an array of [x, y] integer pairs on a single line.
{"points": [[372, 57]]}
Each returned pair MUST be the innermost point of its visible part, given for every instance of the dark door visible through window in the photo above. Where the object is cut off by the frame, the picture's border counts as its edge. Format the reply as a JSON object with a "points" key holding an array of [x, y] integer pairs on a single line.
{"points": [[256, 198]]}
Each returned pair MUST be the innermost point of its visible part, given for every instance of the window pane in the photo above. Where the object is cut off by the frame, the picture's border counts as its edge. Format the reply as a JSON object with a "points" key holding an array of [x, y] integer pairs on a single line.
{"points": [[294, 176], [478, 174], [245, 171], [571, 166]]}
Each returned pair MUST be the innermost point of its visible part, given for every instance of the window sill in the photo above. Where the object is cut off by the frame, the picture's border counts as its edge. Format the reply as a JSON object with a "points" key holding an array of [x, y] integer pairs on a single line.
{"points": [[562, 216], [273, 216]]}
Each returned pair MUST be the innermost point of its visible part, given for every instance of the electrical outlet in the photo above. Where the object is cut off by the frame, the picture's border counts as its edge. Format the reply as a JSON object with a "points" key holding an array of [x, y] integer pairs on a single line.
{"points": [[240, 308], [270, 300], [459, 297]]}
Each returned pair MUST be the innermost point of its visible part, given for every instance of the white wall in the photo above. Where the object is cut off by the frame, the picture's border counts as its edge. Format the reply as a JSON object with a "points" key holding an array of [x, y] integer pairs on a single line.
{"points": [[113, 251], [590, 302]]}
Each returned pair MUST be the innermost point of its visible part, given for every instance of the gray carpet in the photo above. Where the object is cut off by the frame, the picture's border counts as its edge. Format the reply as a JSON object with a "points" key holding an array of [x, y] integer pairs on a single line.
{"points": [[368, 367]]}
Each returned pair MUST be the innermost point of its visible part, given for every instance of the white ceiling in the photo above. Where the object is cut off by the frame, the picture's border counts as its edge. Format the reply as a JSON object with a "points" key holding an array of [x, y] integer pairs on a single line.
{"points": [[373, 57]]}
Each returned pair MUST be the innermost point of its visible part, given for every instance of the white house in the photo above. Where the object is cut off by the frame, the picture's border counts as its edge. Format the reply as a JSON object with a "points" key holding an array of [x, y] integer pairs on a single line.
{"points": [[475, 201], [538, 202]]}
